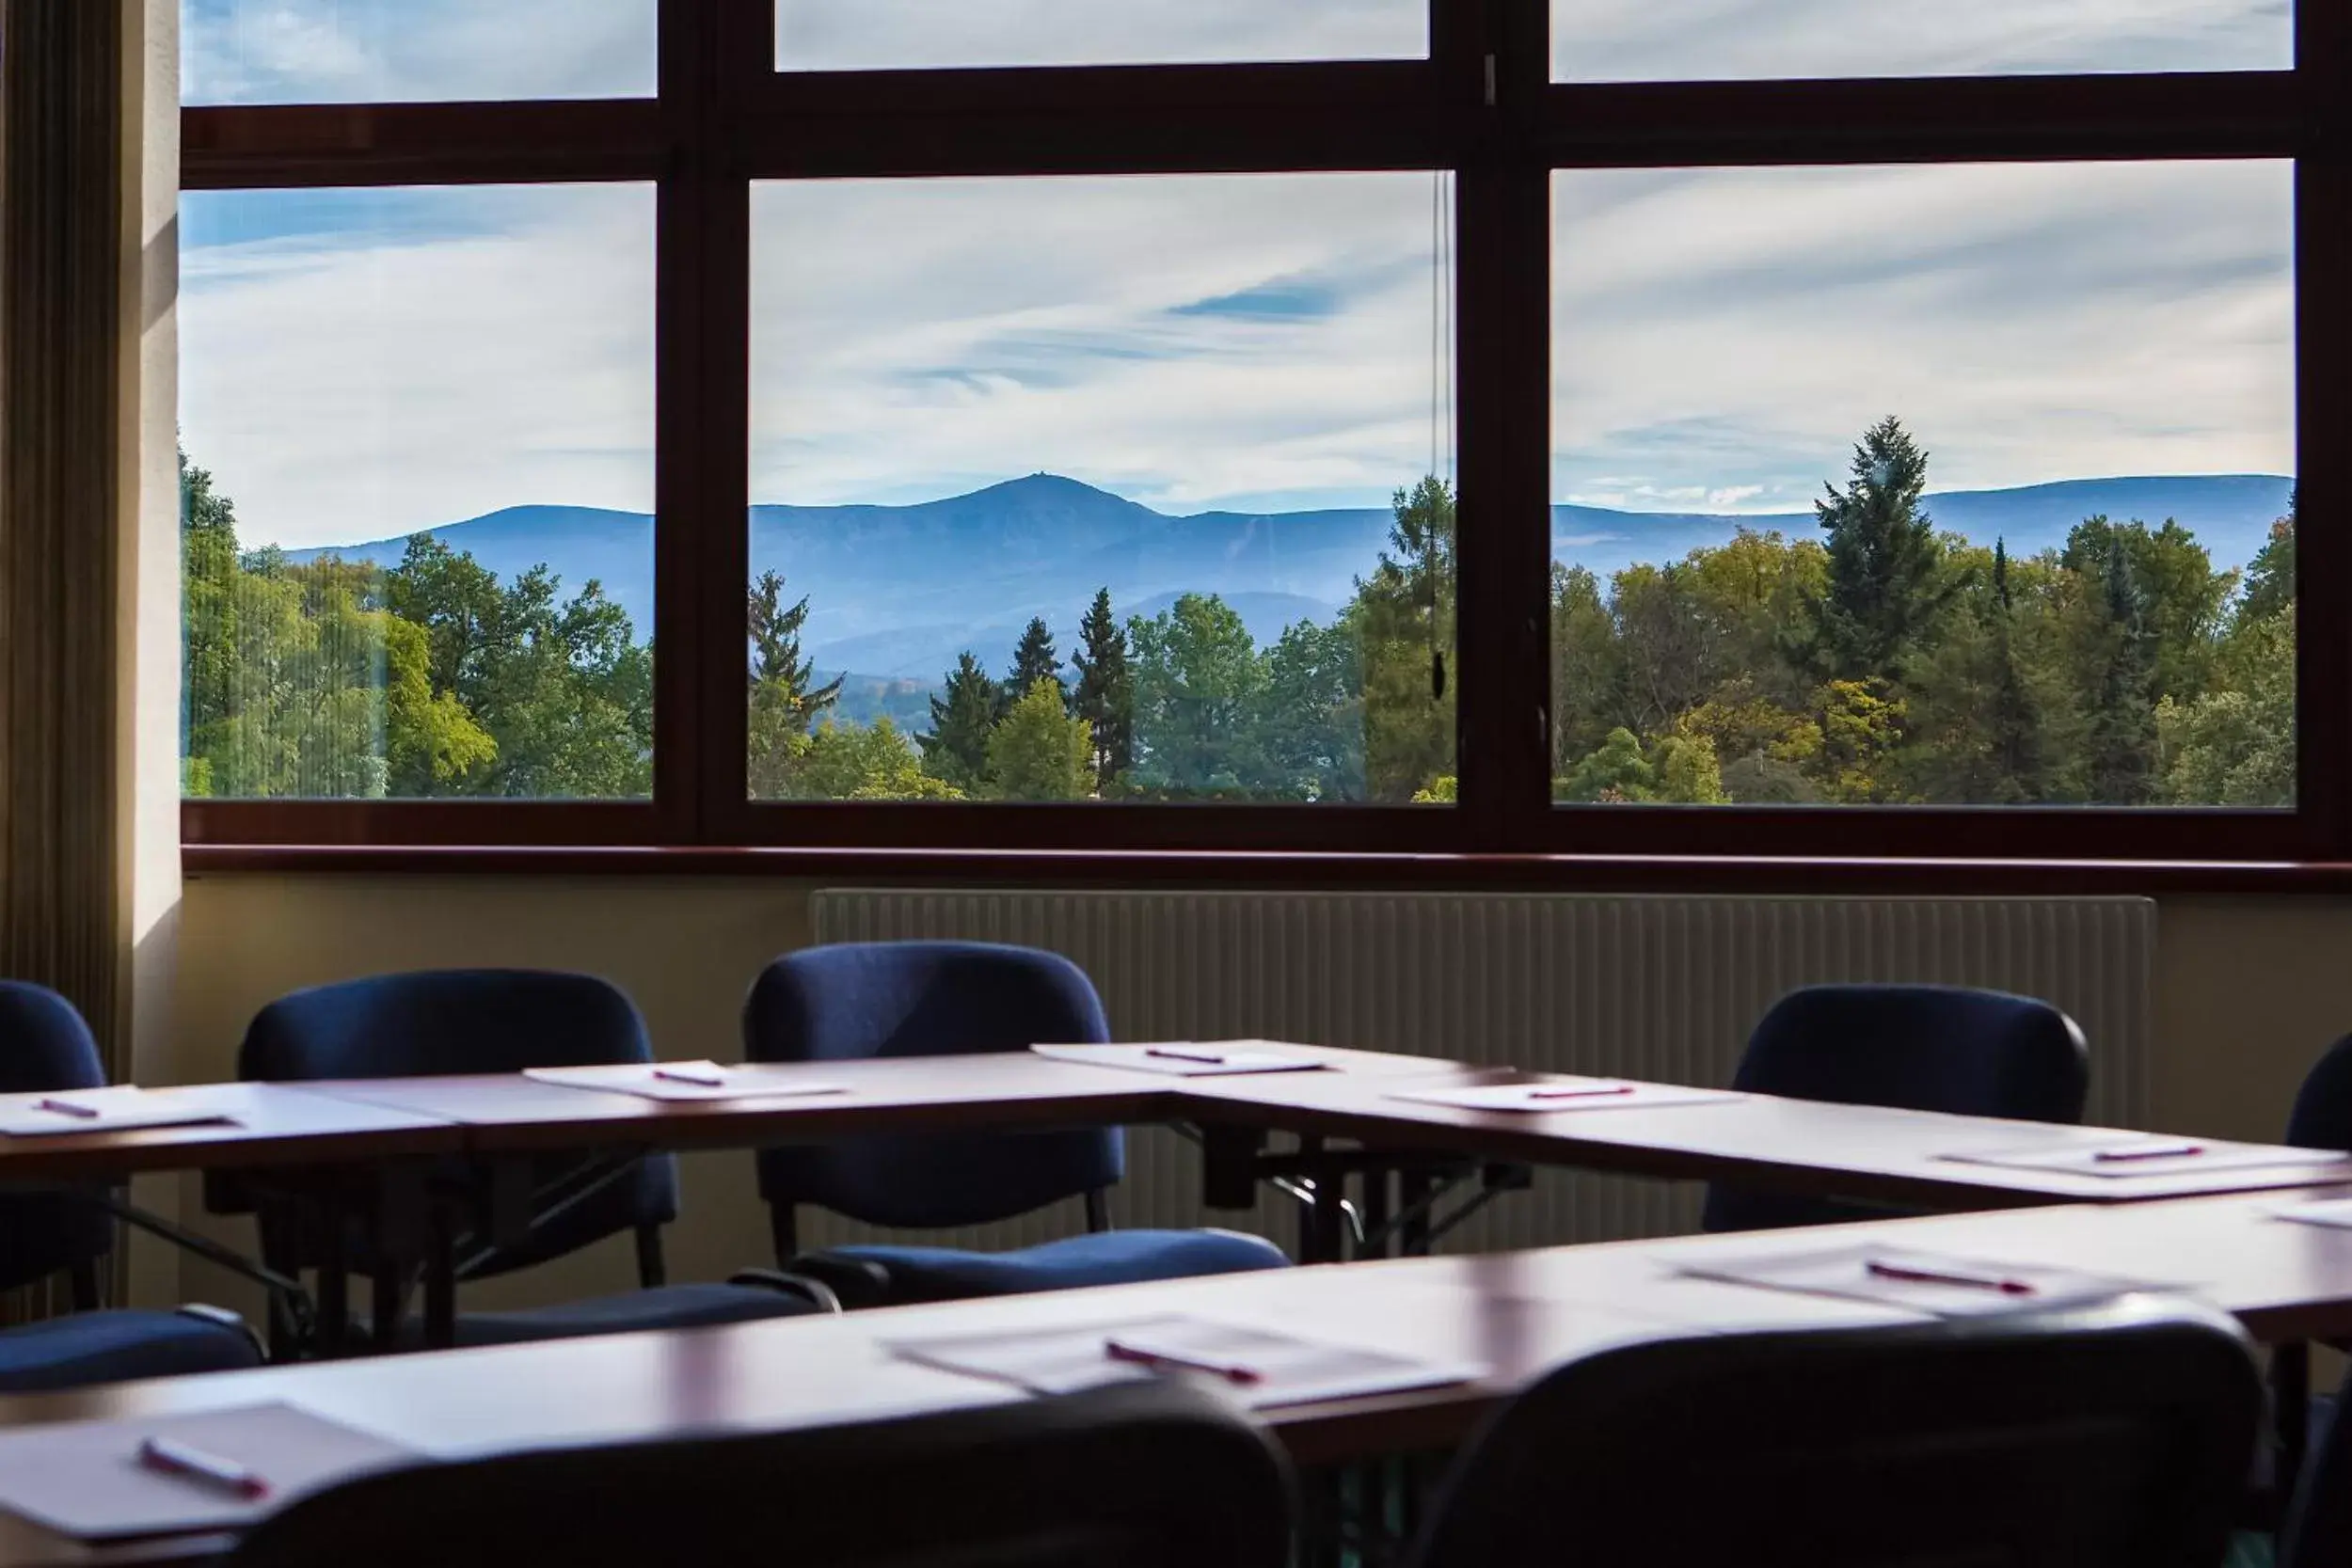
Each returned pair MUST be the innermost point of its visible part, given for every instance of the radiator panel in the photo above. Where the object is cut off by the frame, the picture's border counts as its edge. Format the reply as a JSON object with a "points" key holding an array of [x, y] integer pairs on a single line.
{"points": [[1659, 986]]}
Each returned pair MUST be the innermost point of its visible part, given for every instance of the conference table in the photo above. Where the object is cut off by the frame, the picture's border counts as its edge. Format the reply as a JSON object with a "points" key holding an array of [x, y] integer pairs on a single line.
{"points": [[1513, 1315], [386, 1139]]}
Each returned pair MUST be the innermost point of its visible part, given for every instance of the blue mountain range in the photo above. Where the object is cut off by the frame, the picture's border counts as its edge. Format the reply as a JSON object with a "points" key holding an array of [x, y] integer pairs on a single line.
{"points": [[895, 592]]}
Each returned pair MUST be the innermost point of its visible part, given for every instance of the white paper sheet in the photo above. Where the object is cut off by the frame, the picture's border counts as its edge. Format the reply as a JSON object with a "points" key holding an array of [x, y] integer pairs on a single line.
{"points": [[1287, 1369], [84, 1479], [1936, 1283], [1565, 1094], [2142, 1155], [121, 1108], [2333, 1212], [754, 1082], [1188, 1059]]}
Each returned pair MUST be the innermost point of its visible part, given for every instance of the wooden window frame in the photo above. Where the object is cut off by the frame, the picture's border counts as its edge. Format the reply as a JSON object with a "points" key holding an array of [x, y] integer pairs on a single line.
{"points": [[1481, 105]]}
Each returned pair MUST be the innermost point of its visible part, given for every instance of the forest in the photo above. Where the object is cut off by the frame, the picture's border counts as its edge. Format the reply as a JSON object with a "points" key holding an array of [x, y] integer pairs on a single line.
{"points": [[1883, 662]]}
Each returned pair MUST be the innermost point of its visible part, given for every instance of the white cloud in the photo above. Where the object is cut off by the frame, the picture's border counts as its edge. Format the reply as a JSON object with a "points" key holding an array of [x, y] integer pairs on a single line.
{"points": [[1668, 40], [1739, 327], [346, 51], [856, 35], [343, 392], [912, 336]]}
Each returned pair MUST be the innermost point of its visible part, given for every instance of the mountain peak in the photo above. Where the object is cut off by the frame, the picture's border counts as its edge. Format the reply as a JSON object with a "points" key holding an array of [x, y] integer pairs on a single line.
{"points": [[1041, 493]]}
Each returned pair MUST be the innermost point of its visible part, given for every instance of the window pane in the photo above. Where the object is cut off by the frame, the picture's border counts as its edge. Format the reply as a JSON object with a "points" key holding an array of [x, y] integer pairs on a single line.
{"points": [[1966, 485], [412, 51], [878, 35], [1128, 489], [416, 431], [1642, 41]]}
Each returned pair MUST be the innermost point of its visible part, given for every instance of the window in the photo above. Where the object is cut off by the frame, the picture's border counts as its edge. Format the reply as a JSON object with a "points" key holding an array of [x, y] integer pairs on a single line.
{"points": [[1965, 486], [1634, 41], [1118, 490], [1692, 428], [396, 51], [416, 468], [866, 35]]}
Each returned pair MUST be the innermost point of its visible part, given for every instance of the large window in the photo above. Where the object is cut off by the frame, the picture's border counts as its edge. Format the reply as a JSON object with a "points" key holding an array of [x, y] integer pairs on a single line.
{"points": [[1349, 425]]}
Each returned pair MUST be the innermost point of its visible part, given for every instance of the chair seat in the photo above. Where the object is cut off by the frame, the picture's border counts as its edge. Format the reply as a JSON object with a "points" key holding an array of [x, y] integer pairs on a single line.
{"points": [[895, 1275], [701, 1305], [116, 1346]]}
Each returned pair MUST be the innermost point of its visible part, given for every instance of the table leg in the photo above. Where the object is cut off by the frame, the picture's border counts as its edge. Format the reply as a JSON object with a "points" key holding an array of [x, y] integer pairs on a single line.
{"points": [[334, 1324], [2291, 1408], [441, 1280]]}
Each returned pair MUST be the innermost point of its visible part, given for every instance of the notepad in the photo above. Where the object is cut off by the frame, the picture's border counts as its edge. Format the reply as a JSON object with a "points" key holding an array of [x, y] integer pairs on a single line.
{"points": [[2333, 1212], [1935, 1283], [2123, 1157], [1552, 1095], [1257, 1367], [84, 1479], [1188, 1059], [121, 1108], [686, 1081]]}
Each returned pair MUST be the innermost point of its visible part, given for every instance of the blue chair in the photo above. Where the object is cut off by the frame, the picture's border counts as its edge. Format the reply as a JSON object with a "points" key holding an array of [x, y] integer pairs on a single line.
{"points": [[45, 1046], [1917, 1048], [863, 1000], [2317, 1529], [449, 1022], [2112, 1435], [2322, 1117]]}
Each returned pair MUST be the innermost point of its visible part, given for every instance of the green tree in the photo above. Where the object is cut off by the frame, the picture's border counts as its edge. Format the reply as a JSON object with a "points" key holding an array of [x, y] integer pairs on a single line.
{"points": [[1200, 684], [2235, 746], [1105, 698], [1313, 725], [2015, 719], [1885, 588], [2271, 578], [956, 747], [1404, 616], [1616, 771], [2121, 757], [1038, 751], [1587, 673], [784, 700], [1033, 660], [859, 762]]}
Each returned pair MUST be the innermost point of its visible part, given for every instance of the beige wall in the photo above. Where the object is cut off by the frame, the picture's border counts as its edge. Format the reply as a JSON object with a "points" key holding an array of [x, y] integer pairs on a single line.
{"points": [[2248, 991]]}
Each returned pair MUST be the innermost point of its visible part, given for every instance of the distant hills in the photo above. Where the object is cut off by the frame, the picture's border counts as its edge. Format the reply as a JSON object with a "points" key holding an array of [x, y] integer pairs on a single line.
{"points": [[895, 592]]}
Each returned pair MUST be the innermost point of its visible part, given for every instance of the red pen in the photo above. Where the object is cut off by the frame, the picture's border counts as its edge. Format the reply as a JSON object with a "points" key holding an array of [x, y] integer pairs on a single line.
{"points": [[1210, 1057], [1929, 1276], [1593, 1093], [178, 1459], [1159, 1361], [2175, 1152]]}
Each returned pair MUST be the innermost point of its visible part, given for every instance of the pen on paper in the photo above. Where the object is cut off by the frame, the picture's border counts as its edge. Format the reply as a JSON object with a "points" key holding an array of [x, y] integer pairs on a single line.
{"points": [[1931, 1277], [1209, 1057], [708, 1078], [1157, 1361], [1597, 1092], [177, 1459], [68, 1108], [2171, 1151]]}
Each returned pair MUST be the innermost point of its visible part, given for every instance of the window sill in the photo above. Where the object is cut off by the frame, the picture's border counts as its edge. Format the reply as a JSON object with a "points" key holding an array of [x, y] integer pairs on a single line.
{"points": [[1553, 873]]}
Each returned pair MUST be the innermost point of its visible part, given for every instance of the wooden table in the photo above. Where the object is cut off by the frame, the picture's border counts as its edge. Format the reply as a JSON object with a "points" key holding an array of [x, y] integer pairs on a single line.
{"points": [[270, 1125], [1518, 1314]]}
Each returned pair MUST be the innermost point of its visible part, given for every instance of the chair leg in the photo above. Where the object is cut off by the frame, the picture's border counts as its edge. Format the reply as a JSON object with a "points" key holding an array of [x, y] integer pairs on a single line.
{"points": [[651, 1273], [82, 1285], [1098, 1211], [786, 1230]]}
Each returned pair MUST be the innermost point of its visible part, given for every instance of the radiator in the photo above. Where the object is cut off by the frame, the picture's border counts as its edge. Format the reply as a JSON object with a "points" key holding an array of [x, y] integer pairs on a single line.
{"points": [[1659, 986]]}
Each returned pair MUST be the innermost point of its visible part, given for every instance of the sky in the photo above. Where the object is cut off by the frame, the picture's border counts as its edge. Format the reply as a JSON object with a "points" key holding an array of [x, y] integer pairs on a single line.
{"points": [[360, 364]]}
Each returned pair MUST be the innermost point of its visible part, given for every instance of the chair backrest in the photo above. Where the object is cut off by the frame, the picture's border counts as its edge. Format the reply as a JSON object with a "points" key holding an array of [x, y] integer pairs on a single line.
{"points": [[860, 1000], [44, 1044], [2115, 1436], [1920, 1048], [460, 1021], [2317, 1530], [2322, 1117], [1138, 1476]]}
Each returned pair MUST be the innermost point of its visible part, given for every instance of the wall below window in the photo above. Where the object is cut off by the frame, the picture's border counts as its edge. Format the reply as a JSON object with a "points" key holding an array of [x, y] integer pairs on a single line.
{"points": [[2246, 993]]}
